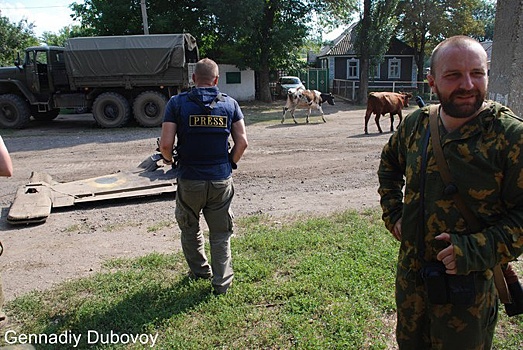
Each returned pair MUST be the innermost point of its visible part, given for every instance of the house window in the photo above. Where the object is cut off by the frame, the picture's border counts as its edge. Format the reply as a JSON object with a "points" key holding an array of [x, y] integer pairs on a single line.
{"points": [[394, 68], [233, 78], [375, 72], [353, 68]]}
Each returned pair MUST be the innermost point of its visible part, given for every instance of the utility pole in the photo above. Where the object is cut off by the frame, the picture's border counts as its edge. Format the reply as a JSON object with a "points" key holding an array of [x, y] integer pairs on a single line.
{"points": [[144, 18]]}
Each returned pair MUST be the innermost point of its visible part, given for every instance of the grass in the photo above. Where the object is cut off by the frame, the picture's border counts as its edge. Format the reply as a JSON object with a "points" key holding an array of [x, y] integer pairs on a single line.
{"points": [[159, 226], [315, 283]]}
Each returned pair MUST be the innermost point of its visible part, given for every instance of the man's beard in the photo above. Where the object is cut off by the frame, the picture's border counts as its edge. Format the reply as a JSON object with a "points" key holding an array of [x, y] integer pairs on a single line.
{"points": [[455, 110]]}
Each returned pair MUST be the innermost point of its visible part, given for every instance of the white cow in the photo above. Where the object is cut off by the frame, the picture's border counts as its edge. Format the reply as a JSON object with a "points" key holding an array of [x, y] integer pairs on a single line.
{"points": [[306, 99]]}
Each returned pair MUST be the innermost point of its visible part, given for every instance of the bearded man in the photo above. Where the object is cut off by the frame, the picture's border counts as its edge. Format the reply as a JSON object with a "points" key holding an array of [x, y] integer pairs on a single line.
{"points": [[445, 292]]}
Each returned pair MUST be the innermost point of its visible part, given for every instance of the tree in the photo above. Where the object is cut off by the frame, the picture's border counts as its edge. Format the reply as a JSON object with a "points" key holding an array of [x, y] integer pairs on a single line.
{"points": [[425, 23], [270, 32], [117, 17], [485, 14], [373, 36], [260, 34], [276, 28], [363, 36], [124, 17], [14, 38], [65, 33]]}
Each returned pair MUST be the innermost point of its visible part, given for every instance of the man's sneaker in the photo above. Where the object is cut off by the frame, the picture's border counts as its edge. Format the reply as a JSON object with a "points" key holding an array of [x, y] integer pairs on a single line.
{"points": [[217, 293], [219, 290]]}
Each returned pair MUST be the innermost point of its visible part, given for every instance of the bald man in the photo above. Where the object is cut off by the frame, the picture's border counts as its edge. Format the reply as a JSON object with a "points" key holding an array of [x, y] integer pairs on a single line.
{"points": [[445, 292]]}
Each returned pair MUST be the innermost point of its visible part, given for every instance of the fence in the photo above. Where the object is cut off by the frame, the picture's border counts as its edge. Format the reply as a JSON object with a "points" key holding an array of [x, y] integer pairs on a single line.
{"points": [[312, 78], [349, 88]]}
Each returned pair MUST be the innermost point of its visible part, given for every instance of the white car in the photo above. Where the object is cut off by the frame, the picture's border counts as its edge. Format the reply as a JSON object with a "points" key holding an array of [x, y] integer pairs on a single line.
{"points": [[286, 83]]}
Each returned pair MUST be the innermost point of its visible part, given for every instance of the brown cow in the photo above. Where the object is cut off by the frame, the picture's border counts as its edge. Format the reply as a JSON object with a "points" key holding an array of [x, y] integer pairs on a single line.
{"points": [[381, 103], [306, 99]]}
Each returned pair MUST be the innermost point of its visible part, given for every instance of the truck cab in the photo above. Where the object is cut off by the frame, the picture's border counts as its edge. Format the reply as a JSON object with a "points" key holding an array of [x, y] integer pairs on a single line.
{"points": [[27, 88], [45, 72]]}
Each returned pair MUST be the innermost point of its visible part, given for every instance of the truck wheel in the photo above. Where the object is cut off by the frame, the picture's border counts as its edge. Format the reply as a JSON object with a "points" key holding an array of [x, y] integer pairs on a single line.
{"points": [[148, 108], [111, 110], [14, 112], [44, 116]]}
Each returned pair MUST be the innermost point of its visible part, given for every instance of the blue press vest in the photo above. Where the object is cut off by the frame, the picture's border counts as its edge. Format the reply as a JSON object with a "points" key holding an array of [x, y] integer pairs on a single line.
{"points": [[203, 139]]}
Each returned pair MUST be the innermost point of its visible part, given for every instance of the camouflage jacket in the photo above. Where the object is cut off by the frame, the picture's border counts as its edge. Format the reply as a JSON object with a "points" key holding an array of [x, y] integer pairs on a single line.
{"points": [[485, 157]]}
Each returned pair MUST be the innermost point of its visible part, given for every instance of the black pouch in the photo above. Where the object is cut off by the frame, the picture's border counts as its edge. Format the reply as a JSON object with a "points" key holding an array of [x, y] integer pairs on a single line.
{"points": [[435, 280], [462, 289], [443, 288]]}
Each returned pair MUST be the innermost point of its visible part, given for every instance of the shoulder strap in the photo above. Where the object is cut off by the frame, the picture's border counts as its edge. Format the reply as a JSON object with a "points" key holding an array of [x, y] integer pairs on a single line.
{"points": [[208, 108], [444, 170], [451, 188]]}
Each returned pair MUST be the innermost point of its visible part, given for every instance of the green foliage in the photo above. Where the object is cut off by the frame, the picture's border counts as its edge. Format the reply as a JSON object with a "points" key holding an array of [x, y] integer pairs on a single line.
{"points": [[117, 17], [53, 39], [423, 24], [14, 38], [485, 14], [381, 28], [124, 17], [273, 27]]}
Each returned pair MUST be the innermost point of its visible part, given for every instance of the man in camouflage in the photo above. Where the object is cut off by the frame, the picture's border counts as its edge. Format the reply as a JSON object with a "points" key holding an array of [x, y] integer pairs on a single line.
{"points": [[482, 143]]}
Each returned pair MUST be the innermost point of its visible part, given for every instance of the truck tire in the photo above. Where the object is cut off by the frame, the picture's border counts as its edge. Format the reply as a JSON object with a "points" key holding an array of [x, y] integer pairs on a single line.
{"points": [[14, 112], [148, 108], [44, 116], [111, 110]]}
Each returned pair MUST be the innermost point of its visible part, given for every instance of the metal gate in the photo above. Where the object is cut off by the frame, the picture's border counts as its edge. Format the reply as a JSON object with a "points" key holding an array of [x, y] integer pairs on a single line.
{"points": [[314, 78]]}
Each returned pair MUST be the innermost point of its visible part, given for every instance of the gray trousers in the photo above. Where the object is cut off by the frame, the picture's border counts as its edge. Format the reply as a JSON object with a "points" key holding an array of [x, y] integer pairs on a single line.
{"points": [[213, 199]]}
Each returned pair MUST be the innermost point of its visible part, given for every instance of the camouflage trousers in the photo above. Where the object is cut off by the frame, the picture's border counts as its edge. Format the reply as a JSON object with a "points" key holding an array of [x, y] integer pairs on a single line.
{"points": [[422, 325]]}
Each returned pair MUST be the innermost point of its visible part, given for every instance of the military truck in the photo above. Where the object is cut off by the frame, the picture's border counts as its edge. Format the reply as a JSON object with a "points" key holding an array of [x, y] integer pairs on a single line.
{"points": [[115, 77]]}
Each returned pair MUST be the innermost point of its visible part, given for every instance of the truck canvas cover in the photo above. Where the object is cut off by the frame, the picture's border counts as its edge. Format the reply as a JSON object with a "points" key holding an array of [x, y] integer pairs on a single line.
{"points": [[132, 55]]}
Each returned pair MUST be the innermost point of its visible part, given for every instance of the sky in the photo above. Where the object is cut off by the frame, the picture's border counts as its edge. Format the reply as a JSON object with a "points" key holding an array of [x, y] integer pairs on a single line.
{"points": [[47, 15], [53, 15]]}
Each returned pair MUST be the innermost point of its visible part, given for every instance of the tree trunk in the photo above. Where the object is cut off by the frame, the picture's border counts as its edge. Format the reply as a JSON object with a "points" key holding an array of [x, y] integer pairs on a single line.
{"points": [[420, 61], [264, 93], [364, 53], [364, 81], [265, 90]]}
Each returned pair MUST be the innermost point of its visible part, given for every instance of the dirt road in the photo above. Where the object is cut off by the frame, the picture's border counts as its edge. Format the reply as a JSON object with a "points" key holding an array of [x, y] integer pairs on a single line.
{"points": [[288, 170]]}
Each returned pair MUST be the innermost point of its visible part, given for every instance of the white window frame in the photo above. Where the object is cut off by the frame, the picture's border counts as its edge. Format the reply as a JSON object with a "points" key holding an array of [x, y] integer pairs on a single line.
{"points": [[353, 64], [394, 68]]}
